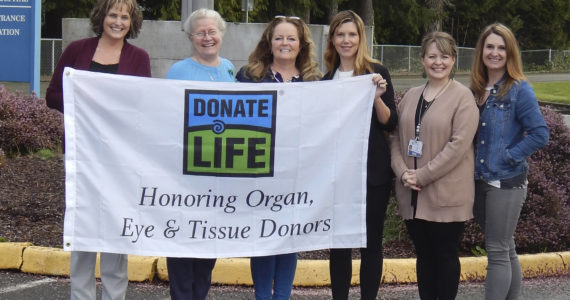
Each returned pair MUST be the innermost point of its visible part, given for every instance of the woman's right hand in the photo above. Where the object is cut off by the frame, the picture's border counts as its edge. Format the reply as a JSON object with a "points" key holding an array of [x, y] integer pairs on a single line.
{"points": [[410, 180]]}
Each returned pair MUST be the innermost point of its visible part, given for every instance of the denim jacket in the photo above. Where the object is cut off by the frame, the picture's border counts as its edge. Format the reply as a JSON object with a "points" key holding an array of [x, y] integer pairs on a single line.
{"points": [[510, 130]]}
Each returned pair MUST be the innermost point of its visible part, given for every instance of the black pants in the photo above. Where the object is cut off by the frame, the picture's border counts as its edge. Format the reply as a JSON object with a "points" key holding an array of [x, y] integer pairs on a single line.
{"points": [[377, 198], [437, 265], [189, 278]]}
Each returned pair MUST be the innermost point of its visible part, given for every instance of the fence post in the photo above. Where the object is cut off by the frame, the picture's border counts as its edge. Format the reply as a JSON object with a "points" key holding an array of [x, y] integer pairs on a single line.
{"points": [[409, 58], [52, 55]]}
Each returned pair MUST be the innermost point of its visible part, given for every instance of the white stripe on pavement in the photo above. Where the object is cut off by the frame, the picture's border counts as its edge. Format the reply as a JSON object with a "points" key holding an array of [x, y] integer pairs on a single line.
{"points": [[26, 285]]}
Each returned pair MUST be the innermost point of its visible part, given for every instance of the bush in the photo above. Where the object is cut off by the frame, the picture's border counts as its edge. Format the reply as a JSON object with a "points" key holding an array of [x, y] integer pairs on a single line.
{"points": [[27, 124], [544, 224], [2, 158]]}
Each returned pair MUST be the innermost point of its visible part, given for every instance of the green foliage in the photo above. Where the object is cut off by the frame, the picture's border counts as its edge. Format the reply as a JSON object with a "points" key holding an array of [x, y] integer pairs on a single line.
{"points": [[558, 92], [537, 24], [478, 251], [161, 9], [394, 226], [3, 239], [2, 158], [45, 154]]}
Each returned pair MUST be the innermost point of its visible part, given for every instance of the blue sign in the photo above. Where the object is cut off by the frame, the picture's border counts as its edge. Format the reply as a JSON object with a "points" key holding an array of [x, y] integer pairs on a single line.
{"points": [[20, 22]]}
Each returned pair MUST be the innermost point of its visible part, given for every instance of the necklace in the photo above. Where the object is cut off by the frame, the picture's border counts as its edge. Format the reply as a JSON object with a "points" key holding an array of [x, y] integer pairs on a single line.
{"points": [[438, 92]]}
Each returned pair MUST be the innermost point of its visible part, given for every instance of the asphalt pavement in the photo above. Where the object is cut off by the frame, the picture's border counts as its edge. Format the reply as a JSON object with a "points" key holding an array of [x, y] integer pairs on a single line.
{"points": [[20, 286]]}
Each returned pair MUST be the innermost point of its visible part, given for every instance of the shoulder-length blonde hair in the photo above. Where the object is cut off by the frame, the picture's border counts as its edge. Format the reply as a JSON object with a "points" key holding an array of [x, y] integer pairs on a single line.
{"points": [[261, 58], [514, 71], [363, 61], [100, 10]]}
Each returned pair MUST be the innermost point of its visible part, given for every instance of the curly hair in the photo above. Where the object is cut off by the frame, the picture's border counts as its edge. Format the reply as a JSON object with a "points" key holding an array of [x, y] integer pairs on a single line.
{"points": [[514, 70], [100, 10], [363, 62], [261, 57]]}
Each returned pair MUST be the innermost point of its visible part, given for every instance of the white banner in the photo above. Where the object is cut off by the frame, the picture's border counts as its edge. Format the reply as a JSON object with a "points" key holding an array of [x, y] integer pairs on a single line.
{"points": [[208, 169]]}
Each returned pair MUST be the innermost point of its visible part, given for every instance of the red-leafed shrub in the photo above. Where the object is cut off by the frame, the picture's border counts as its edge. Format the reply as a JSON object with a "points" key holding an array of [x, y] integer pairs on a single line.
{"points": [[27, 124]]}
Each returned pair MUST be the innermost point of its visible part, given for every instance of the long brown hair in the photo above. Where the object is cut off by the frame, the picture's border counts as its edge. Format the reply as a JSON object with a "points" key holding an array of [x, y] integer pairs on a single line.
{"points": [[261, 58], [100, 10], [363, 61], [514, 71]]}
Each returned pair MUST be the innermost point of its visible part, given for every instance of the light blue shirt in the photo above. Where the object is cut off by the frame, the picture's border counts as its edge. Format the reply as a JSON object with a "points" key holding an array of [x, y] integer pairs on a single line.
{"points": [[189, 69]]}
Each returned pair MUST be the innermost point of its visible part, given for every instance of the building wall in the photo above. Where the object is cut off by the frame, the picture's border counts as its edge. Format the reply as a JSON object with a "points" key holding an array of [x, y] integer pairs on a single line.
{"points": [[166, 43]]}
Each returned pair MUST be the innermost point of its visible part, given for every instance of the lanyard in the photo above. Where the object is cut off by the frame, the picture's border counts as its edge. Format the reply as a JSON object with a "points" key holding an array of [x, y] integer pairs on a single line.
{"points": [[428, 105]]}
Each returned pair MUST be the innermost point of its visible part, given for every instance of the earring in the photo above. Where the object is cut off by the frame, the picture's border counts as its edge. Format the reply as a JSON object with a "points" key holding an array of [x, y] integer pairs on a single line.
{"points": [[424, 75], [452, 74]]}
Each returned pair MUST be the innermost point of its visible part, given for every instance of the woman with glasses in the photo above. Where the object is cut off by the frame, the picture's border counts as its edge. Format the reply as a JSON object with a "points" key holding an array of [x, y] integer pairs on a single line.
{"points": [[283, 54], [190, 278], [346, 56], [511, 129]]}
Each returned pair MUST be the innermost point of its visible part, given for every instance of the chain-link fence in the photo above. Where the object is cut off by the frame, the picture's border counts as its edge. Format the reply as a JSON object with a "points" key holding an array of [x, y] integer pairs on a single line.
{"points": [[50, 53], [397, 58], [406, 59]]}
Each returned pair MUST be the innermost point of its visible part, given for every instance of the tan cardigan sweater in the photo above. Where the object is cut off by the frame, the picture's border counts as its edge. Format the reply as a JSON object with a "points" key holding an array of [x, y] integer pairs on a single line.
{"points": [[446, 168]]}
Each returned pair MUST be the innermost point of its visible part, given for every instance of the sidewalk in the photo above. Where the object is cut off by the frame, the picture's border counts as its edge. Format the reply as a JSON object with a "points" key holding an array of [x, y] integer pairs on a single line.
{"points": [[236, 271]]}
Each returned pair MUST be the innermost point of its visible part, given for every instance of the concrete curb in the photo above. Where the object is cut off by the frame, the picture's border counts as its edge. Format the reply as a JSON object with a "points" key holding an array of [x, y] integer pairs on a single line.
{"points": [[235, 271]]}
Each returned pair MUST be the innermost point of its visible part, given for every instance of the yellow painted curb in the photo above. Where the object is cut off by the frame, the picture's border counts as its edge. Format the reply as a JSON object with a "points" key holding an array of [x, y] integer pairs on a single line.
{"points": [[161, 270], [534, 265], [232, 271], [473, 268], [565, 256], [47, 261], [316, 273], [226, 271], [142, 268], [11, 255], [399, 270]]}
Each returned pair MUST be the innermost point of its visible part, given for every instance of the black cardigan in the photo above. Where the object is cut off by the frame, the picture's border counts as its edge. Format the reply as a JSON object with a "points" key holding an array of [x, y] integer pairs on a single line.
{"points": [[379, 170]]}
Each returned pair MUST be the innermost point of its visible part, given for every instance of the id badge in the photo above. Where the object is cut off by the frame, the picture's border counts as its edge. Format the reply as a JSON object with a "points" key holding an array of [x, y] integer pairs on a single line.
{"points": [[415, 148]]}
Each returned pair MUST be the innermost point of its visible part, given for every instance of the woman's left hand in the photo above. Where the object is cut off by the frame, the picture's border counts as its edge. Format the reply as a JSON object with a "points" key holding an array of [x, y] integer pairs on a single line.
{"points": [[381, 84]]}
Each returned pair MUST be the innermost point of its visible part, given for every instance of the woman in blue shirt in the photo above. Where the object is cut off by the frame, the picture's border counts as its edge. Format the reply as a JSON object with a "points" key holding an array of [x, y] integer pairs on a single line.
{"points": [[511, 128], [190, 278]]}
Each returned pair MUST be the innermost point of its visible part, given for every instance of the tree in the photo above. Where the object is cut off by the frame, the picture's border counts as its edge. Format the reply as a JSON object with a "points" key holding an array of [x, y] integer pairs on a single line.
{"points": [[161, 9]]}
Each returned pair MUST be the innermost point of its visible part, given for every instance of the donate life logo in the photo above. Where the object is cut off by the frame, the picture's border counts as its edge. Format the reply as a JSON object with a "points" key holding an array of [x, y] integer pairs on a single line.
{"points": [[229, 133]]}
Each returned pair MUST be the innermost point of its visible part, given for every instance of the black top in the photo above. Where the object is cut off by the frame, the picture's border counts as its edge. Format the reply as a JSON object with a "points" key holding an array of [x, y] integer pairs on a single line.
{"points": [[379, 169], [242, 76], [97, 67]]}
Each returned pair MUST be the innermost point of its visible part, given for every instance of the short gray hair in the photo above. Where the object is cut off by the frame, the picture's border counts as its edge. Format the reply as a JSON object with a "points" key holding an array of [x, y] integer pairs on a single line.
{"points": [[201, 14]]}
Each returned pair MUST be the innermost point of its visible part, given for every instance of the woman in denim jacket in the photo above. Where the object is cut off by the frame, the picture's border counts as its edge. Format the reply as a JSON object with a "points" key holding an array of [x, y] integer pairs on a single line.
{"points": [[511, 128]]}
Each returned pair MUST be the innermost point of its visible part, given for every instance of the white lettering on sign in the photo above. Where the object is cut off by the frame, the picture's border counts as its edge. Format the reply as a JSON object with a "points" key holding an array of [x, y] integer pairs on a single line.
{"points": [[9, 31], [12, 18]]}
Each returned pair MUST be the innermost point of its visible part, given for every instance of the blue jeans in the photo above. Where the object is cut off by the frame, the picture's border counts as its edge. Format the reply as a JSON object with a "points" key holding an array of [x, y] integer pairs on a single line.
{"points": [[274, 272], [497, 212]]}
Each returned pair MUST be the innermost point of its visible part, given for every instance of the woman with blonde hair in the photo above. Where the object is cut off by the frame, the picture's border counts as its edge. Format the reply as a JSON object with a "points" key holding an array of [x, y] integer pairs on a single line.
{"points": [[346, 56], [284, 53], [433, 160], [511, 128]]}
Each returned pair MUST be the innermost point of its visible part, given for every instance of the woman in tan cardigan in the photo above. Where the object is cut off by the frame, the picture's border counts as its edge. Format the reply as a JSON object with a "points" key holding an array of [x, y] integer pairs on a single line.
{"points": [[432, 158]]}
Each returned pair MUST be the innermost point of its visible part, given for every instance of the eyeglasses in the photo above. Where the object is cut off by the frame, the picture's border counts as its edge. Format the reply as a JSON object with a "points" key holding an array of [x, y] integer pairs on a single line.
{"points": [[287, 17], [202, 34]]}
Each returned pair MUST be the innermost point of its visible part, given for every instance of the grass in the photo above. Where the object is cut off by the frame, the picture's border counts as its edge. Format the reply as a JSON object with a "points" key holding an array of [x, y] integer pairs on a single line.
{"points": [[558, 91]]}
